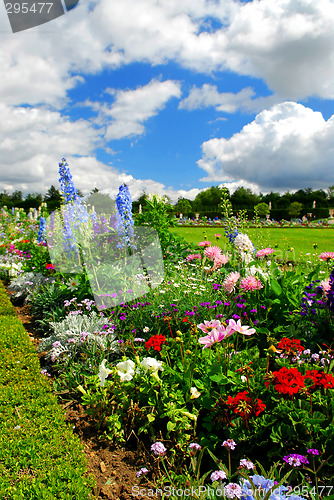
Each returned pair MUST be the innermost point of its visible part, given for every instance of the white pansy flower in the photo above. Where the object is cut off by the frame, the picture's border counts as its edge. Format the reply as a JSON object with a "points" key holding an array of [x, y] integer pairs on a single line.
{"points": [[103, 372], [126, 370], [151, 364]]}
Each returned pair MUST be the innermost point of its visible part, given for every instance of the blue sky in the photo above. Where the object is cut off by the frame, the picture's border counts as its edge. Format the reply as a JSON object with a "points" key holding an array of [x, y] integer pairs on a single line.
{"points": [[171, 97]]}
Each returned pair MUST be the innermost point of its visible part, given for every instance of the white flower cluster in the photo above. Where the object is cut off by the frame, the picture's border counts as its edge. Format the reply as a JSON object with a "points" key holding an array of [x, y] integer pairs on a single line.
{"points": [[245, 247], [73, 332]]}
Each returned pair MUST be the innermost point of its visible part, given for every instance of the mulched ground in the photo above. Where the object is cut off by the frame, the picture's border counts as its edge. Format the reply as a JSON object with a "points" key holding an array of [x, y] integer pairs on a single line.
{"points": [[114, 468]]}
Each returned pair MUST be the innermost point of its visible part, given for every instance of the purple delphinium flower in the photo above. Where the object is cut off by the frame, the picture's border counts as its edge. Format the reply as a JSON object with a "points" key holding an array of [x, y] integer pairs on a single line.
{"points": [[295, 460], [218, 475], [158, 448]]}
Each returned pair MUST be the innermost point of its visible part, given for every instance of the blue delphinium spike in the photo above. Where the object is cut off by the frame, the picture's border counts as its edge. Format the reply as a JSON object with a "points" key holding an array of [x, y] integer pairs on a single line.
{"points": [[124, 207], [41, 231], [67, 187]]}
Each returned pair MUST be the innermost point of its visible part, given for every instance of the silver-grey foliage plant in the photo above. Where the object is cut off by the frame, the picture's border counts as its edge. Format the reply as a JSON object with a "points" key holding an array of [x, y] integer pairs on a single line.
{"points": [[75, 333]]}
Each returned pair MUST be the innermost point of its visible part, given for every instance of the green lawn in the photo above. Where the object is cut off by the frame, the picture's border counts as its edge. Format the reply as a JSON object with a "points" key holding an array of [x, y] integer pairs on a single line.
{"points": [[289, 243]]}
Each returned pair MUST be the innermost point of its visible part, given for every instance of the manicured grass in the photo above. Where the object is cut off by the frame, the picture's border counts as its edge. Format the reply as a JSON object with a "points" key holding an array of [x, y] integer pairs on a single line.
{"points": [[292, 243]]}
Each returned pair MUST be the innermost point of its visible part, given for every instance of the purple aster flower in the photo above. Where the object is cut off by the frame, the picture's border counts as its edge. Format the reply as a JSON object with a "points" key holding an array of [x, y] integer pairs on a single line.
{"points": [[158, 449], [295, 460], [218, 475]]}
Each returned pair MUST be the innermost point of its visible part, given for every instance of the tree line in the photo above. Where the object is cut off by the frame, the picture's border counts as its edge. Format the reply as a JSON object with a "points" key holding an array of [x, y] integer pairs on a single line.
{"points": [[207, 202]]}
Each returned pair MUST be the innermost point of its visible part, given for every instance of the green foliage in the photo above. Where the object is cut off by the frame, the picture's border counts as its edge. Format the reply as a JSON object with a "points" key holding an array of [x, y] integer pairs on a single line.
{"points": [[262, 209], [295, 208]]}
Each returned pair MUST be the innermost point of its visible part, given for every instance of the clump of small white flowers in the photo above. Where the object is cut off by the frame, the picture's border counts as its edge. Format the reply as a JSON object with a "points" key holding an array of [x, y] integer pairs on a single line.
{"points": [[146, 329]]}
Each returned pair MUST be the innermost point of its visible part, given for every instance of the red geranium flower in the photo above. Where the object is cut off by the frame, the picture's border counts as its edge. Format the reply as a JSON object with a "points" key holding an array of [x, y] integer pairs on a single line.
{"points": [[290, 346], [287, 381], [50, 266], [320, 378], [245, 406], [155, 341]]}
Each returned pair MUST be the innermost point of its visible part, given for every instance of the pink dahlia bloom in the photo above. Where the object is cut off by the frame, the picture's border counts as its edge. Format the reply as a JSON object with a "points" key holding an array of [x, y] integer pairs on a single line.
{"points": [[264, 251], [220, 261], [204, 243], [237, 327], [250, 283], [230, 282], [326, 256], [193, 256], [212, 252]]}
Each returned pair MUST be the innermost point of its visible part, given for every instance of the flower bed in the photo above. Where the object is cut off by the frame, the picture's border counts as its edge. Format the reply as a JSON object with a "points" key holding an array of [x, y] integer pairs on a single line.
{"points": [[224, 360]]}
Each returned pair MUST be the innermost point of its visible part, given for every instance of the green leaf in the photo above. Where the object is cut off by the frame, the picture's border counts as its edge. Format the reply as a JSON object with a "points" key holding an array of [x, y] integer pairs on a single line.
{"points": [[276, 287]]}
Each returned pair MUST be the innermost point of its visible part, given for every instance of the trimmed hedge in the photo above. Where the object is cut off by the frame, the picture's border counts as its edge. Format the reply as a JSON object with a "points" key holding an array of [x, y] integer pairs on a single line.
{"points": [[40, 458]]}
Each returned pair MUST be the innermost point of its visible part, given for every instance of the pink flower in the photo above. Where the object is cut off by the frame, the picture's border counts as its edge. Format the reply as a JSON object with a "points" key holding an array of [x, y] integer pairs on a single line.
{"points": [[326, 256], [212, 252], [250, 283], [325, 285], [215, 336], [264, 251], [237, 327], [204, 243], [230, 282], [193, 256], [208, 326], [220, 261]]}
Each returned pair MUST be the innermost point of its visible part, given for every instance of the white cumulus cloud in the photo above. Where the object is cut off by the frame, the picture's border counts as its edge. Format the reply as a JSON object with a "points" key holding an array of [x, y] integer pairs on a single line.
{"points": [[288, 146]]}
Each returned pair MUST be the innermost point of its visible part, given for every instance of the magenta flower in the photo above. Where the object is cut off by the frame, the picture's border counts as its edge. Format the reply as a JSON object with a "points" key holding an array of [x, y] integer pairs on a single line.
{"points": [[230, 282], [295, 460], [204, 243], [193, 447], [313, 451], [250, 284], [237, 327], [212, 252]]}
